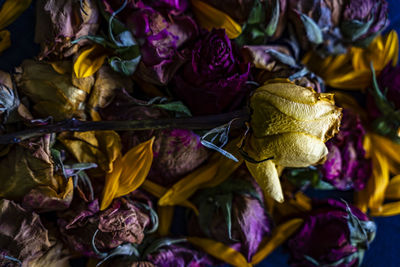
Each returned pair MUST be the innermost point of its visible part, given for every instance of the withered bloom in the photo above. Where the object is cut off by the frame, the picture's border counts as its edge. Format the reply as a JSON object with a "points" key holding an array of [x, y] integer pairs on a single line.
{"points": [[123, 222], [233, 213]]}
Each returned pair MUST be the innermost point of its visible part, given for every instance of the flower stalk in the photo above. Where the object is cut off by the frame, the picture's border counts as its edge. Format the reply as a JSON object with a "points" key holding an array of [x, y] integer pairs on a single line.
{"points": [[192, 123]]}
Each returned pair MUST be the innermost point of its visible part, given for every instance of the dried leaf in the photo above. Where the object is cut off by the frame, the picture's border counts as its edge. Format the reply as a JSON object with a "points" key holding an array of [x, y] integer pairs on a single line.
{"points": [[220, 251], [89, 61], [129, 172], [210, 17], [279, 235]]}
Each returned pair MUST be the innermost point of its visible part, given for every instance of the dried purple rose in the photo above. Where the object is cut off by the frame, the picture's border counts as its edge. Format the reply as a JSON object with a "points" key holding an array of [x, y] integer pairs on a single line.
{"points": [[23, 237], [162, 36], [214, 80], [124, 221], [333, 234], [233, 213], [346, 166]]}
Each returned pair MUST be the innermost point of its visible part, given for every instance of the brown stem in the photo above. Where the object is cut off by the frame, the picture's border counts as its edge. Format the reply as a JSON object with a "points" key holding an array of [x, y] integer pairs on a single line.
{"points": [[193, 123]]}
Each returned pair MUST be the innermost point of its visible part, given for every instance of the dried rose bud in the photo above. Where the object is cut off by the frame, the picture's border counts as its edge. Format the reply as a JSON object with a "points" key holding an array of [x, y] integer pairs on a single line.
{"points": [[346, 166], [333, 234], [123, 222], [233, 213]]}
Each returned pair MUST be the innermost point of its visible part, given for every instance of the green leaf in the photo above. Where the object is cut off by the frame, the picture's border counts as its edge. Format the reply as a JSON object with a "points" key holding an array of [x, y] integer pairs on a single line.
{"points": [[126, 67], [256, 13], [176, 106], [283, 58], [314, 33], [354, 29], [226, 206], [273, 23]]}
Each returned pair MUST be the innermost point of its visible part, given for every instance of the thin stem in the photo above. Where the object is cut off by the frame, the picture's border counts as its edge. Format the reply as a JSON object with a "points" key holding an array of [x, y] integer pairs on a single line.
{"points": [[74, 125]]}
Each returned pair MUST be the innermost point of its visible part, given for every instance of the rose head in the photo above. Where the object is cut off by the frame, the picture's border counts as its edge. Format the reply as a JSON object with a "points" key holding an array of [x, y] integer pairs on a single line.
{"points": [[176, 153], [333, 234], [233, 213], [214, 80], [162, 41], [346, 166], [122, 222], [289, 127]]}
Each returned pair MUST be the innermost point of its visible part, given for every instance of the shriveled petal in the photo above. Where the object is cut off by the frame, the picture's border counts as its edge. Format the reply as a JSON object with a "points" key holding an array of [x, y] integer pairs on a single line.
{"points": [[210, 17], [89, 61], [266, 175], [129, 172]]}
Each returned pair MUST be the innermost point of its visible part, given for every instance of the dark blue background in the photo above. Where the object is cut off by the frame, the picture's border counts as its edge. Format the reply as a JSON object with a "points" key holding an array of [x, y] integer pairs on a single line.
{"points": [[384, 251]]}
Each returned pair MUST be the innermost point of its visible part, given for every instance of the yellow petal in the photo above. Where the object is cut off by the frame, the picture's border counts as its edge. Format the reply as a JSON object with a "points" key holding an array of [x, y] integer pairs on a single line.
{"points": [[89, 61], [129, 172], [374, 192], [288, 149], [389, 149], [209, 17], [278, 236], [11, 10], [220, 251], [165, 214], [218, 169], [5, 41], [266, 175], [389, 209], [158, 191], [393, 189]]}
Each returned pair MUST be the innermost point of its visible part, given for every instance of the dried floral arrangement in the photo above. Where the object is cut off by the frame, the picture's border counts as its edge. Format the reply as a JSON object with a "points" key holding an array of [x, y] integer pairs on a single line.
{"points": [[216, 116]]}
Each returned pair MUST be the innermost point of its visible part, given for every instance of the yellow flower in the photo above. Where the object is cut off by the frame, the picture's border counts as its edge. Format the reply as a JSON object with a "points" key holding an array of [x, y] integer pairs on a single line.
{"points": [[290, 125], [209, 17], [9, 12], [352, 70]]}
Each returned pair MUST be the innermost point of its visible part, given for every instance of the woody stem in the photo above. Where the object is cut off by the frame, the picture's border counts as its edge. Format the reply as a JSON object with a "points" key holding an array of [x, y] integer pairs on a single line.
{"points": [[75, 125]]}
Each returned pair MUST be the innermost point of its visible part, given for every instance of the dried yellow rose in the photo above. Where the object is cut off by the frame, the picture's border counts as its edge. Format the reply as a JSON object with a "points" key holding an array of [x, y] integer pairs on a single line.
{"points": [[290, 125]]}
